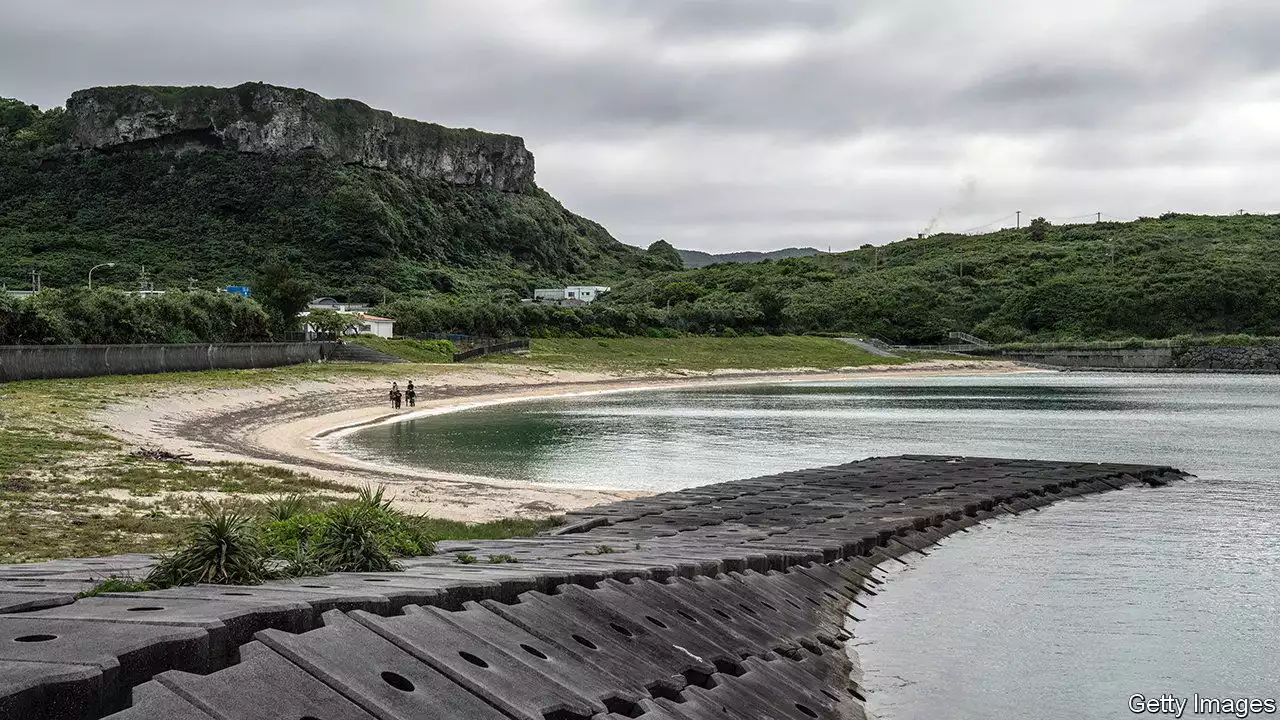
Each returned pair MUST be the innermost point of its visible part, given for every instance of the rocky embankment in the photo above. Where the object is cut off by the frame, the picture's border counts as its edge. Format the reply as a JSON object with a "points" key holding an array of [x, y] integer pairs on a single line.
{"points": [[1266, 357], [267, 119]]}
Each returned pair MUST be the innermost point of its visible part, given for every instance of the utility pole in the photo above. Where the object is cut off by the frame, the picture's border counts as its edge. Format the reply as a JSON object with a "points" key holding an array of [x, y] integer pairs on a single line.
{"points": [[1099, 217], [1019, 219], [144, 283], [35, 280]]}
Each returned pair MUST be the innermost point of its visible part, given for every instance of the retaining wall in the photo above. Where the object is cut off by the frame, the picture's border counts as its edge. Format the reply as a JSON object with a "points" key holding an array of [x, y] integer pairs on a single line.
{"points": [[1241, 359], [34, 362]]}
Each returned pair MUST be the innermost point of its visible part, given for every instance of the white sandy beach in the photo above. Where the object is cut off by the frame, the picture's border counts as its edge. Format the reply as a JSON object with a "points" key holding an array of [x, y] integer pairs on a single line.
{"points": [[287, 424]]}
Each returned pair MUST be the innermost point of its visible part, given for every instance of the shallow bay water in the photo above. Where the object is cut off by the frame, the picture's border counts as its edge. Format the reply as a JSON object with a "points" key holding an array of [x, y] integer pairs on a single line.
{"points": [[1064, 613]]}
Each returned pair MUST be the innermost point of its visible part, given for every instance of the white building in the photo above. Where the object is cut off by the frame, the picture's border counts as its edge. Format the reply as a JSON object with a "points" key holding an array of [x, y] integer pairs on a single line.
{"points": [[573, 294], [331, 304], [374, 325], [359, 324], [585, 293]]}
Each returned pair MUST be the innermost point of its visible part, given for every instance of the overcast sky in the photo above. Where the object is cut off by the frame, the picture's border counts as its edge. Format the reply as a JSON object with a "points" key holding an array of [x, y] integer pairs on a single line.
{"points": [[753, 124]]}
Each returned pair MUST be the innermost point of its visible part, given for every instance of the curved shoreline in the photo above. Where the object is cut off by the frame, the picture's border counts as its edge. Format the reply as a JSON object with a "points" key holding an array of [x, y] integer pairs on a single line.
{"points": [[288, 427]]}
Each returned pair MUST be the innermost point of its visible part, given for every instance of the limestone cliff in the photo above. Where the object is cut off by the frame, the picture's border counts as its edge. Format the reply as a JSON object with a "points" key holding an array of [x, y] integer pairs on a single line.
{"points": [[266, 119]]}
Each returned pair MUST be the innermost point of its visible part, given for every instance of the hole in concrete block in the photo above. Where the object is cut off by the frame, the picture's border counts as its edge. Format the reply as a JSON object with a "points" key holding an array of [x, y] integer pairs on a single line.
{"points": [[316, 587], [722, 614], [376, 580], [747, 609], [239, 594], [472, 659], [398, 682], [35, 638], [308, 717], [688, 617], [665, 692], [806, 710], [585, 642], [533, 651], [795, 604], [621, 630], [148, 608], [700, 679], [656, 621], [769, 606], [729, 667], [623, 707], [857, 694], [830, 695]]}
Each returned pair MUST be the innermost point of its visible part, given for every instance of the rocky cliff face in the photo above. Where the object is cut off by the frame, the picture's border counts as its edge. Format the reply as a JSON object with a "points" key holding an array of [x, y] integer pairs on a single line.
{"points": [[260, 118]]}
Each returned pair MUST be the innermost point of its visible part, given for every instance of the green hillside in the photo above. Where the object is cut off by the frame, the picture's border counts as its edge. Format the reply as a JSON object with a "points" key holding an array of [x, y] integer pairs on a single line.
{"points": [[1154, 277], [217, 215]]}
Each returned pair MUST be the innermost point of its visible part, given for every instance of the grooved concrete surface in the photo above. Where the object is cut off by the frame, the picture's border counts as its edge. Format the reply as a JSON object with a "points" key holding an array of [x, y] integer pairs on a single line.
{"points": [[723, 601]]}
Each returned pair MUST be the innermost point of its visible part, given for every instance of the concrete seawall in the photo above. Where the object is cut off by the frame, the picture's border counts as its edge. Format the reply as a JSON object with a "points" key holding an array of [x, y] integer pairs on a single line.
{"points": [[723, 601], [1189, 358], [35, 362]]}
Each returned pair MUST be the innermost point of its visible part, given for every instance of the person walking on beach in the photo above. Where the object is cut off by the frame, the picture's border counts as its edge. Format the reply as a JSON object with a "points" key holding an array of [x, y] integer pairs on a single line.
{"points": [[410, 394], [395, 395]]}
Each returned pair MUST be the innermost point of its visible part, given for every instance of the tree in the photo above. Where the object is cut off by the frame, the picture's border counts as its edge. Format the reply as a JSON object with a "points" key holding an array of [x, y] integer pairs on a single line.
{"points": [[662, 256], [283, 294], [1039, 227], [329, 323]]}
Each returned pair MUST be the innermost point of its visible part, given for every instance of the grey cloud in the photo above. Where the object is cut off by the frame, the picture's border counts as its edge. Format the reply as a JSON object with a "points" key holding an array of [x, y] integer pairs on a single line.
{"points": [[1062, 110]]}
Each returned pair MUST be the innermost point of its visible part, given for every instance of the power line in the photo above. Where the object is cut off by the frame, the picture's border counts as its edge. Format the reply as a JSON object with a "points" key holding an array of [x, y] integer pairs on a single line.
{"points": [[984, 227]]}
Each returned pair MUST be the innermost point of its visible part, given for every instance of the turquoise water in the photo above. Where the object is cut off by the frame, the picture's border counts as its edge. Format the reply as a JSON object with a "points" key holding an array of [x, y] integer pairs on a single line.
{"points": [[1065, 613]]}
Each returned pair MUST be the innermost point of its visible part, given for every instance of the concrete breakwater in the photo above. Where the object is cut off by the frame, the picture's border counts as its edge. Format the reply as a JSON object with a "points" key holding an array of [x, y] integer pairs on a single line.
{"points": [[37, 362], [723, 601], [1192, 357]]}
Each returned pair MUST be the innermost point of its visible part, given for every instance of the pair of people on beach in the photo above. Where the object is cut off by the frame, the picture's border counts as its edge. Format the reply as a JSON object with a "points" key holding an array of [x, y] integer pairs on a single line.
{"points": [[410, 395]]}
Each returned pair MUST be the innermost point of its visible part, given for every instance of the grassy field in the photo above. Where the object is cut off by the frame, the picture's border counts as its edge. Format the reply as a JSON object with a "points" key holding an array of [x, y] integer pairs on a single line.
{"points": [[69, 488], [417, 351], [696, 353]]}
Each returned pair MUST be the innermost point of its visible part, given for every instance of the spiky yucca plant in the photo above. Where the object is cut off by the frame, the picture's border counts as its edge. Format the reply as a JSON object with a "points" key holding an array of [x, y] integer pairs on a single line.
{"points": [[222, 548], [349, 541], [282, 508]]}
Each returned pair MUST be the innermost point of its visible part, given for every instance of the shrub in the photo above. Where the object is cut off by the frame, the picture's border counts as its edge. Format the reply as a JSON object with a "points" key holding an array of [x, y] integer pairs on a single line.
{"points": [[350, 542], [222, 548]]}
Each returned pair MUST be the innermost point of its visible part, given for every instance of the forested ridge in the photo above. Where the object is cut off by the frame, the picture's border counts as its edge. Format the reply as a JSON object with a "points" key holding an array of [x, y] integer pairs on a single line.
{"points": [[442, 257]]}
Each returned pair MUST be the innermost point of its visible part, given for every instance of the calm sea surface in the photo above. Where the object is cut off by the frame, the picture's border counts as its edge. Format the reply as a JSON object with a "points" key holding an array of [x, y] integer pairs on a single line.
{"points": [[1065, 613]]}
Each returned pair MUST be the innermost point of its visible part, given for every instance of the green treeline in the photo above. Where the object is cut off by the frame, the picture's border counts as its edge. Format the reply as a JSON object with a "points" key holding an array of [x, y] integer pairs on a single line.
{"points": [[1150, 278], [113, 317], [442, 258]]}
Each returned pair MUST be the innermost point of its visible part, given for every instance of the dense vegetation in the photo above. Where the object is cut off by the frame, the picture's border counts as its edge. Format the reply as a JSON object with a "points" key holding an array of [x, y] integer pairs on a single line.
{"points": [[697, 258], [1151, 278], [108, 316], [218, 216], [442, 258]]}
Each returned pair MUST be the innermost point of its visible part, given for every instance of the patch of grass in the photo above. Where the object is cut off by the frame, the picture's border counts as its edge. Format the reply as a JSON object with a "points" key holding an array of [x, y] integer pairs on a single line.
{"points": [[466, 559], [502, 559], [417, 351], [696, 354], [601, 550], [115, 584]]}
